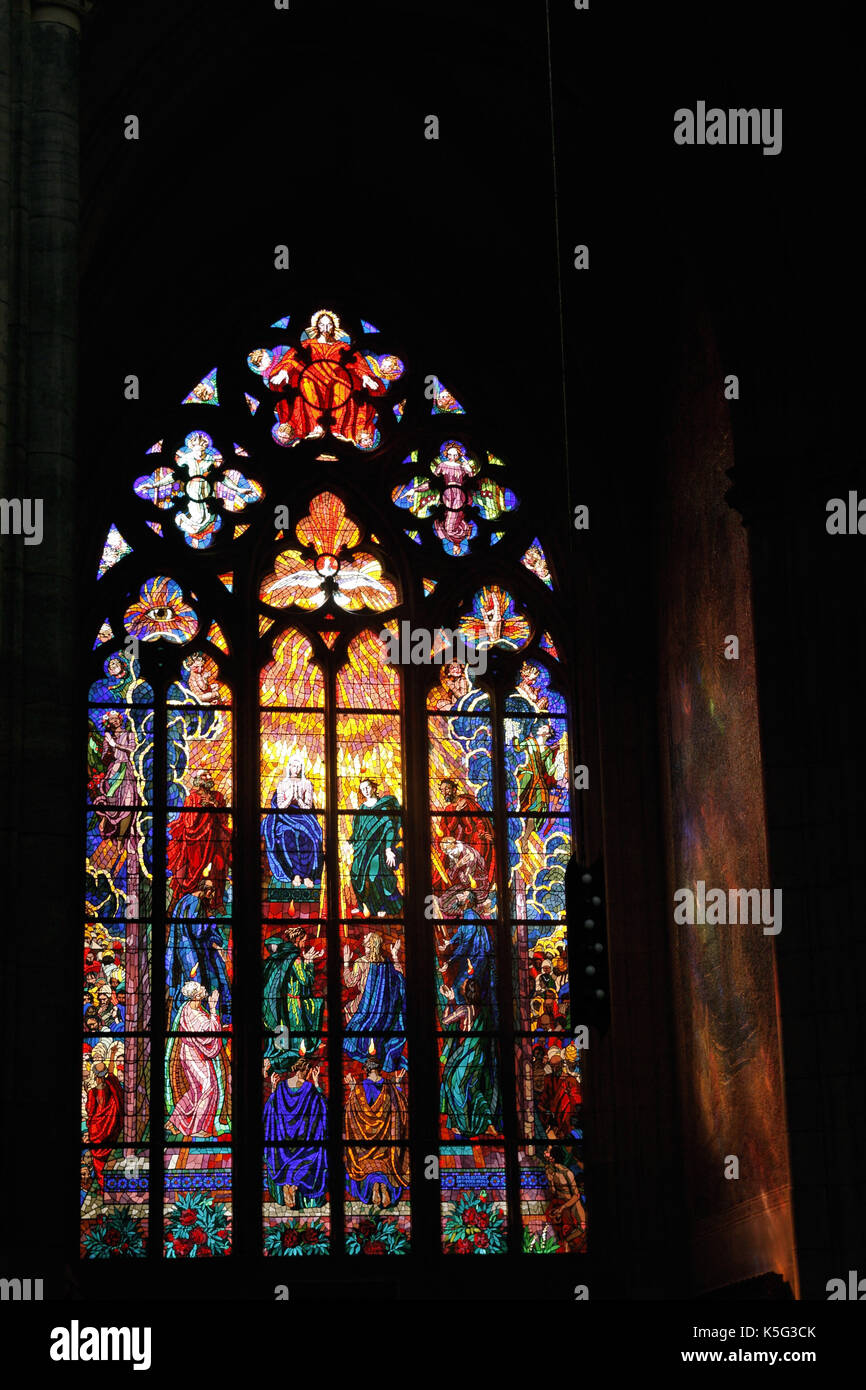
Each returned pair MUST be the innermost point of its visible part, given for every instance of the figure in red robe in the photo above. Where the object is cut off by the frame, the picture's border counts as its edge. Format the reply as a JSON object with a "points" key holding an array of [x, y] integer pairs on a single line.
{"points": [[558, 1098], [200, 845], [330, 377], [464, 819], [104, 1108]]}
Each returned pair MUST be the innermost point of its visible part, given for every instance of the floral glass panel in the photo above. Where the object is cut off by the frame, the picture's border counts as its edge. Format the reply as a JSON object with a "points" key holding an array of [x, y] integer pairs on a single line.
{"points": [[198, 1202], [114, 1210], [473, 1200]]}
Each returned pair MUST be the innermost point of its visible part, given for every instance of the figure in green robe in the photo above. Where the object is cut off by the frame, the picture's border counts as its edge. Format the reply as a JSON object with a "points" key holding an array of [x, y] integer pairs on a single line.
{"points": [[538, 778], [375, 841], [287, 999], [470, 1099]]}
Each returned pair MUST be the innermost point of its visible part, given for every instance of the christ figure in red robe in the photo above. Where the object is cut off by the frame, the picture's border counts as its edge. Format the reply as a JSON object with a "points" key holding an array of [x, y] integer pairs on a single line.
{"points": [[200, 845], [330, 379]]}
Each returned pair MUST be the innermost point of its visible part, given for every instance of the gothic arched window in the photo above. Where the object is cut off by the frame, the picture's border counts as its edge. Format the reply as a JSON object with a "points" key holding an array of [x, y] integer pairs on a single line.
{"points": [[326, 1001]]}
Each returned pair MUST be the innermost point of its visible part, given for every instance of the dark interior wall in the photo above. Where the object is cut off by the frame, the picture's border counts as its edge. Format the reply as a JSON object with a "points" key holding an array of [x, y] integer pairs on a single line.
{"points": [[778, 271], [765, 247], [728, 1039]]}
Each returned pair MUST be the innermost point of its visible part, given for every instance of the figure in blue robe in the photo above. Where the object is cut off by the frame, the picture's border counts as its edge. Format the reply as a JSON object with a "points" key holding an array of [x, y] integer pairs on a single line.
{"points": [[293, 844], [194, 954], [293, 835], [471, 944], [296, 1132], [378, 1010]]}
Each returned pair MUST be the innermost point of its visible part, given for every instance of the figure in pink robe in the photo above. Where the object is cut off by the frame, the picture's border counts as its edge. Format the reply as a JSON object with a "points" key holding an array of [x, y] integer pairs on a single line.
{"points": [[453, 467], [196, 1070]]}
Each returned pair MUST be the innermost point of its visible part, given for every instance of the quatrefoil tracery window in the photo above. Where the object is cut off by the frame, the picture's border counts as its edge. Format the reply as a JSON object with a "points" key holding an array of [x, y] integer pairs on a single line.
{"points": [[368, 861]]}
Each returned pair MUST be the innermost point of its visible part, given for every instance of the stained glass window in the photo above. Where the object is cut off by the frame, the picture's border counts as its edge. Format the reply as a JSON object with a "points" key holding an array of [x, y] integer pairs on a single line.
{"points": [[328, 815]]}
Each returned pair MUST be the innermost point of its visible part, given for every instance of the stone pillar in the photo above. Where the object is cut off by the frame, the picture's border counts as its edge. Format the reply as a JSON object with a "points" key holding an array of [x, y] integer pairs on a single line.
{"points": [[42, 730]]}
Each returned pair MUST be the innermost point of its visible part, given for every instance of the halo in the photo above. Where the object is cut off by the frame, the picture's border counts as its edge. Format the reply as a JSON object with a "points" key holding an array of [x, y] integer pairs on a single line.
{"points": [[314, 319]]}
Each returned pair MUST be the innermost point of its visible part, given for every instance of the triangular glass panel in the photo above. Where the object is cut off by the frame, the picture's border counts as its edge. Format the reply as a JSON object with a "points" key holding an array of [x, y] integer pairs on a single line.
{"points": [[535, 561], [205, 391], [104, 634], [215, 635], [443, 401], [114, 549]]}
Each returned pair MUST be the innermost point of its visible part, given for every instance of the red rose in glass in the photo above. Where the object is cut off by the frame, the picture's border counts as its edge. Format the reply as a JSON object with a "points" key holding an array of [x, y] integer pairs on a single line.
{"points": [[189, 1217], [204, 1250], [291, 1237], [310, 1236], [481, 1220], [470, 1217], [182, 1247], [198, 1235], [375, 1247], [481, 1240], [464, 1247]]}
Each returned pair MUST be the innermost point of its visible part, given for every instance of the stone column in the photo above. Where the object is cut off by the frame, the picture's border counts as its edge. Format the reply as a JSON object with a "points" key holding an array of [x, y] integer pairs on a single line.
{"points": [[43, 728]]}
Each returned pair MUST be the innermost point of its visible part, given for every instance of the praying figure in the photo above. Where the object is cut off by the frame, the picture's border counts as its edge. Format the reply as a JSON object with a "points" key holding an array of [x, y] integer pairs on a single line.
{"points": [[197, 949], [293, 835], [196, 1068]]}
